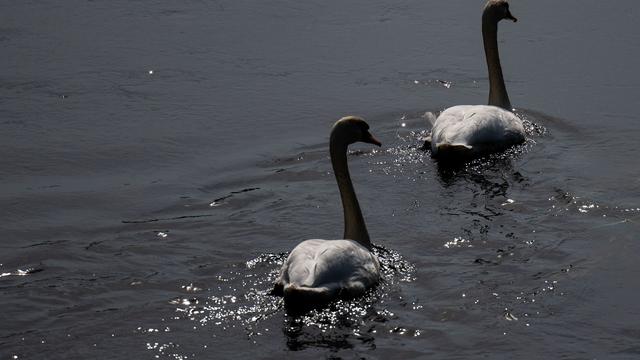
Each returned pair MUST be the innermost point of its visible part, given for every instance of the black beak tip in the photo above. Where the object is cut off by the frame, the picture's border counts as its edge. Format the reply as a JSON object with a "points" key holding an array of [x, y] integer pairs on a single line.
{"points": [[372, 140]]}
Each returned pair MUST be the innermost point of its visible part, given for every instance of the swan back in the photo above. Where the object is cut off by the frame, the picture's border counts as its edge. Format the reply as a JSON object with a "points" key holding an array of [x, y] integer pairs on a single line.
{"points": [[332, 264], [476, 128]]}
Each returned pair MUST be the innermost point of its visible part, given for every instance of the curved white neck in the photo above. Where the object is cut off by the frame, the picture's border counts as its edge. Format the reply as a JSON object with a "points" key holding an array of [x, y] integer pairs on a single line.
{"points": [[497, 90], [354, 226]]}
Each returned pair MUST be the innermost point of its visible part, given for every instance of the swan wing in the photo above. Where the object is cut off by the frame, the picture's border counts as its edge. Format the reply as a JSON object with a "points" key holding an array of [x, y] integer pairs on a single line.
{"points": [[477, 128], [334, 265]]}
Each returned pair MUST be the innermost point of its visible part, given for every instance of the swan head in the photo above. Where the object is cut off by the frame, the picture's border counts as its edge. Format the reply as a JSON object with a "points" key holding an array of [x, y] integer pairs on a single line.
{"points": [[352, 129], [498, 10]]}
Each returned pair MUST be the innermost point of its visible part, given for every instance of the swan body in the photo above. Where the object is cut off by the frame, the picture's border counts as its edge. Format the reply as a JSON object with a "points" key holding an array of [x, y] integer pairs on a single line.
{"points": [[465, 131], [325, 269], [317, 271], [475, 129]]}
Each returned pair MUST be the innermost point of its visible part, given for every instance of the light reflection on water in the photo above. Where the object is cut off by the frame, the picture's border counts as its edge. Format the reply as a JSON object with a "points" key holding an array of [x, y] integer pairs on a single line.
{"points": [[240, 301], [488, 252], [144, 166]]}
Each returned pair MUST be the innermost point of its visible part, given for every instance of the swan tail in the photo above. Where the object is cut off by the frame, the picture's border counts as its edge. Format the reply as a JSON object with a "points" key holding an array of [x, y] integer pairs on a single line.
{"points": [[427, 143], [430, 117], [304, 297], [454, 151], [278, 289]]}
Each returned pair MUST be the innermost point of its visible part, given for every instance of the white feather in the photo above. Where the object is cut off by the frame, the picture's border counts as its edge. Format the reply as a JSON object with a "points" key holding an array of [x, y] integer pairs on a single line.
{"points": [[478, 128], [331, 267]]}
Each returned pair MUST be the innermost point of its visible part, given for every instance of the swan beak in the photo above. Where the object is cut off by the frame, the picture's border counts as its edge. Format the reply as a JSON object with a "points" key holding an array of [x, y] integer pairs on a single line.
{"points": [[370, 139], [511, 17]]}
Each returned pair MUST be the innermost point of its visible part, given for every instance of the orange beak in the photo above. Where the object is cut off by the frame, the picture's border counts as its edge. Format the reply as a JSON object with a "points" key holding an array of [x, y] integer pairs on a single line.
{"points": [[370, 139]]}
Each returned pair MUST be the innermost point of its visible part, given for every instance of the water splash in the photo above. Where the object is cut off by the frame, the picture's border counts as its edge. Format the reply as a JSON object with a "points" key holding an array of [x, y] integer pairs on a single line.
{"points": [[240, 303]]}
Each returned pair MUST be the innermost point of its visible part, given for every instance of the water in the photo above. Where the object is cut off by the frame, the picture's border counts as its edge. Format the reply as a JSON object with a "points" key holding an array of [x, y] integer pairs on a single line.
{"points": [[159, 160]]}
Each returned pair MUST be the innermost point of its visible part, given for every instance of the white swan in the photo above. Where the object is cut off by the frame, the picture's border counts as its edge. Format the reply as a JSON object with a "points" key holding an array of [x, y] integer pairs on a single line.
{"points": [[467, 130], [318, 271]]}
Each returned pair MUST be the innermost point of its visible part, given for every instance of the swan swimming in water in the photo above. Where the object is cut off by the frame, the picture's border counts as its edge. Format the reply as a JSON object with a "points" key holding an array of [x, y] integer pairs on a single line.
{"points": [[464, 131], [318, 271]]}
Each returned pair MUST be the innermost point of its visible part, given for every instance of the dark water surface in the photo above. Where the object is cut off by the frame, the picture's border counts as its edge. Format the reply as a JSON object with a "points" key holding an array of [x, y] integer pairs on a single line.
{"points": [[158, 160]]}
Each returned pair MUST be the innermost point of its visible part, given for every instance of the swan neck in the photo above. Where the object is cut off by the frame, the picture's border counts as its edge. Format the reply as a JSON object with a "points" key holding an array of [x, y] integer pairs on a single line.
{"points": [[354, 226], [497, 90]]}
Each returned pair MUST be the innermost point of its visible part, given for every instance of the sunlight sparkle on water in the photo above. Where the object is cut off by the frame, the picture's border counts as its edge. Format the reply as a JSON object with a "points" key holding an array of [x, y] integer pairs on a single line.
{"points": [[446, 84], [191, 288], [586, 208], [20, 272], [457, 242]]}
